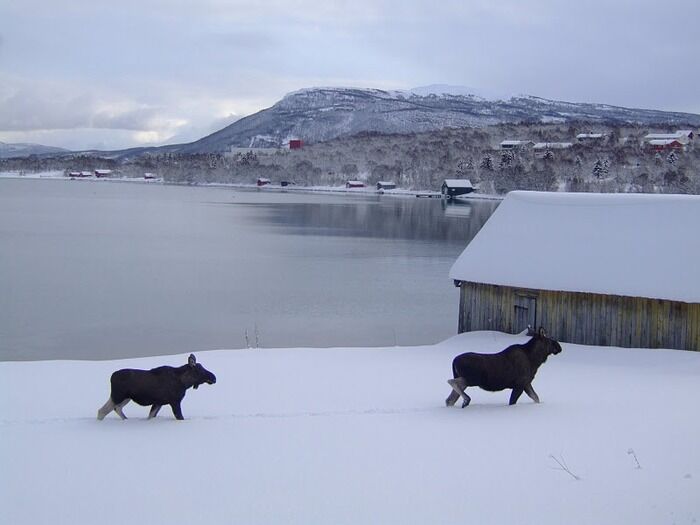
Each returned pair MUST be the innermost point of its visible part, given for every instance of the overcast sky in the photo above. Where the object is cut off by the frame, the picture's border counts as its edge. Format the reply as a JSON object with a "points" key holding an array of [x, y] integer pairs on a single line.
{"points": [[112, 74]]}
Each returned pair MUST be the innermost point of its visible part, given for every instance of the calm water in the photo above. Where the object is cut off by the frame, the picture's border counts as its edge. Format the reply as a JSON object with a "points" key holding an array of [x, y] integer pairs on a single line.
{"points": [[99, 270]]}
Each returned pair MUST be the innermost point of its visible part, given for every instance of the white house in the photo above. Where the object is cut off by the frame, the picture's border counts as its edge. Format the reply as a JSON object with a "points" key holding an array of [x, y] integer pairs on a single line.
{"points": [[516, 144], [552, 145], [590, 137], [541, 148]]}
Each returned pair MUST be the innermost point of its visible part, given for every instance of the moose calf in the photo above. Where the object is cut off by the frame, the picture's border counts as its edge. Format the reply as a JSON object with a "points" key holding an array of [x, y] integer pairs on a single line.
{"points": [[515, 368], [160, 386]]}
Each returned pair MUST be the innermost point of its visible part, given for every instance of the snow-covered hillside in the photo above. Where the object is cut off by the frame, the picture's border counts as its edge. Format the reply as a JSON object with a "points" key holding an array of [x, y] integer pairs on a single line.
{"points": [[320, 114], [358, 436], [24, 150]]}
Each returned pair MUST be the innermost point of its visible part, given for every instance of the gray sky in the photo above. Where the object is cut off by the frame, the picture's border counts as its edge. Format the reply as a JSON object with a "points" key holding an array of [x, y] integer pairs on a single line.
{"points": [[92, 73]]}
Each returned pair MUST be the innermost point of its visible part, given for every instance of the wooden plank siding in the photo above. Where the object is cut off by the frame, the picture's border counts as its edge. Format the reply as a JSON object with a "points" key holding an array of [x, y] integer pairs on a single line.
{"points": [[584, 318]]}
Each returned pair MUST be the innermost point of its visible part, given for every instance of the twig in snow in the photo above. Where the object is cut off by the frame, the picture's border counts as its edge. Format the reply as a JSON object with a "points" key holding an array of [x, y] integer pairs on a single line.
{"points": [[563, 466], [257, 336], [631, 453], [247, 341]]}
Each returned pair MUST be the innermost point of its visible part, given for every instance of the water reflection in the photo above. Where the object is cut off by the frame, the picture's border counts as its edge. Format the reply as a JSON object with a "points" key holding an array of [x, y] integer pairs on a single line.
{"points": [[383, 218]]}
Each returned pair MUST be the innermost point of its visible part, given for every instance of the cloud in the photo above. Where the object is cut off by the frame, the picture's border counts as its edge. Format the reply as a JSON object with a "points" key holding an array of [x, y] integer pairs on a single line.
{"points": [[31, 108], [152, 69]]}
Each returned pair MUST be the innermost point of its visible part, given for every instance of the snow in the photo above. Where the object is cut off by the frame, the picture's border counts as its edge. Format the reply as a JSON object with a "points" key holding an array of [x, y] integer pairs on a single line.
{"points": [[621, 244], [515, 142], [465, 91], [357, 436], [664, 142], [552, 145], [681, 135]]}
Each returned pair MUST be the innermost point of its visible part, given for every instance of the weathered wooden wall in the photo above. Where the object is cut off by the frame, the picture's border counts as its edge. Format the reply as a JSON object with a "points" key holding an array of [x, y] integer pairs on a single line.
{"points": [[583, 318]]}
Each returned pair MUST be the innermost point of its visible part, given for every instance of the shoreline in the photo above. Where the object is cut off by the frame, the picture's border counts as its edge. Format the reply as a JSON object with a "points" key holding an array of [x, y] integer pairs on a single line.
{"points": [[368, 191]]}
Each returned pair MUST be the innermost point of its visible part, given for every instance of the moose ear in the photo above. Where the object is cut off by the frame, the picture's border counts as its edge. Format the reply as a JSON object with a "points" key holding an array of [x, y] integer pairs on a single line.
{"points": [[542, 332], [192, 360]]}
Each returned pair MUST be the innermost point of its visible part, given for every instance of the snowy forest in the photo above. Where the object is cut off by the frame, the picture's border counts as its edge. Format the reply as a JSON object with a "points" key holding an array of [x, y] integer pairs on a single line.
{"points": [[619, 162]]}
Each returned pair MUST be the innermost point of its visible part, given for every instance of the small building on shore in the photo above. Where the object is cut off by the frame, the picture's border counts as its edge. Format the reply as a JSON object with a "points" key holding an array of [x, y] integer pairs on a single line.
{"points": [[354, 184], [103, 173], [262, 181], [454, 187], [386, 185], [593, 269]]}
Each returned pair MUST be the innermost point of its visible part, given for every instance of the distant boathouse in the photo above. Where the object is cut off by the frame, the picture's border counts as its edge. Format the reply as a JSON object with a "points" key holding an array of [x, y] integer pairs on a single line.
{"points": [[595, 269], [454, 187]]}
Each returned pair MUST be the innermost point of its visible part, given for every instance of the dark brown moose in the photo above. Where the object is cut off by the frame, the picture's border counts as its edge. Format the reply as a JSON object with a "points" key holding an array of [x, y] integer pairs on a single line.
{"points": [[514, 368], [160, 386]]}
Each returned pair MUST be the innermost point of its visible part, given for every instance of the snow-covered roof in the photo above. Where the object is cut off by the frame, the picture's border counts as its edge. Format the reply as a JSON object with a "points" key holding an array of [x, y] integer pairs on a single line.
{"points": [[682, 134], [515, 142], [664, 142], [637, 245], [552, 145], [589, 136], [458, 183]]}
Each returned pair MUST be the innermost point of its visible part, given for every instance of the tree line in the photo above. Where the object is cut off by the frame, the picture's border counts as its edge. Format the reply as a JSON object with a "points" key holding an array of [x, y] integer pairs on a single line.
{"points": [[421, 161]]}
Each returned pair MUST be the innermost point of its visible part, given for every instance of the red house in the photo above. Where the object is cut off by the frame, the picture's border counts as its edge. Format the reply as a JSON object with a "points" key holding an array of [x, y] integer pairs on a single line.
{"points": [[665, 145], [354, 184], [296, 144], [263, 182]]}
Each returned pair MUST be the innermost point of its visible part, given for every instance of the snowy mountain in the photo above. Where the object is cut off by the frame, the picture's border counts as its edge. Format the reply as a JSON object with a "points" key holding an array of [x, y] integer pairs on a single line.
{"points": [[319, 114], [24, 150]]}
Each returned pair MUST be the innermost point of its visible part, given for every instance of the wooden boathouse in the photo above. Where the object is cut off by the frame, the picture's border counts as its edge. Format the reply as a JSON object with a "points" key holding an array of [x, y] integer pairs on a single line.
{"points": [[595, 269]]}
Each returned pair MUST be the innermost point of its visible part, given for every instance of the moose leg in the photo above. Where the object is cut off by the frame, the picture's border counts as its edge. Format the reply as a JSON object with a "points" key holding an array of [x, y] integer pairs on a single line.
{"points": [[106, 409], [458, 385], [531, 392], [514, 395], [177, 411], [154, 411], [118, 408], [452, 398]]}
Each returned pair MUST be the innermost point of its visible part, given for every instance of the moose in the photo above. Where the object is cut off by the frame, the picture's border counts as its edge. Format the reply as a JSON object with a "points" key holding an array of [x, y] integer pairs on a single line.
{"points": [[514, 368], [160, 386]]}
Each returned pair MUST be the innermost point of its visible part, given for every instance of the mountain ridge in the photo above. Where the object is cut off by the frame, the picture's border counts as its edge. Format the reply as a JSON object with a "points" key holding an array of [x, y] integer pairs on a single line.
{"points": [[320, 114]]}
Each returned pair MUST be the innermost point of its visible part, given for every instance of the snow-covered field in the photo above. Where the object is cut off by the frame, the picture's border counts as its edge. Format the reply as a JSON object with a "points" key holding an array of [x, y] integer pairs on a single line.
{"points": [[358, 436]]}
